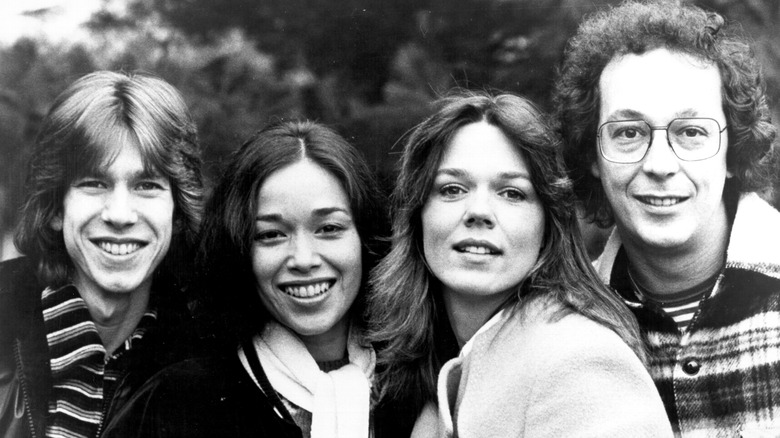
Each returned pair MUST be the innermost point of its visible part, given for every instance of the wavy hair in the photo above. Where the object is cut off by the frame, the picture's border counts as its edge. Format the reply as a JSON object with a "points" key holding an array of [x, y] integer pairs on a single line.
{"points": [[402, 306], [228, 302], [79, 136], [636, 28]]}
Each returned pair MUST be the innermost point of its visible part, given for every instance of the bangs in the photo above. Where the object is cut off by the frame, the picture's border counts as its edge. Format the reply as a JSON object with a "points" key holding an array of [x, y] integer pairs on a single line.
{"points": [[100, 145]]}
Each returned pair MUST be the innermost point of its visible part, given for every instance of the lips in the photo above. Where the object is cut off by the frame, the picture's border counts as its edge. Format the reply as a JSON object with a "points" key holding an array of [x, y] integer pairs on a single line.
{"points": [[478, 247], [307, 290], [118, 248], [661, 201]]}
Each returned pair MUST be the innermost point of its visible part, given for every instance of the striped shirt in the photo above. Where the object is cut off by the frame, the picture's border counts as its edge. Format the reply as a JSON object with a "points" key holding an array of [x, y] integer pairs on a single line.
{"points": [[680, 306], [82, 372]]}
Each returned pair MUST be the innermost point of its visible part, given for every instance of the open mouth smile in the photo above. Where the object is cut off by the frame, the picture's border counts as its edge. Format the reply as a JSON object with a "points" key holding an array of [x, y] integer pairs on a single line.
{"points": [[114, 248], [310, 290], [477, 247], [657, 201]]}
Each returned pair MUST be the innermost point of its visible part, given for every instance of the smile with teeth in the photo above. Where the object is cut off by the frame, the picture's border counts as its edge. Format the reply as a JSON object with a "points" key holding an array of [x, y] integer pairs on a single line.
{"points": [[309, 290], [119, 248], [660, 202], [473, 249]]}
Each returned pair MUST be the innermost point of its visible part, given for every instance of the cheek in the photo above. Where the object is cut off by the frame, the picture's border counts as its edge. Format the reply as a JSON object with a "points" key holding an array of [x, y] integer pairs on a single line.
{"points": [[265, 265], [436, 223], [346, 254], [527, 229]]}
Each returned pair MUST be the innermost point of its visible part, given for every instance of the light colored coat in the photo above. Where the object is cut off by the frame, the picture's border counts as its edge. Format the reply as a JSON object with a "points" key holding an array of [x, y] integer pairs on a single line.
{"points": [[530, 374]]}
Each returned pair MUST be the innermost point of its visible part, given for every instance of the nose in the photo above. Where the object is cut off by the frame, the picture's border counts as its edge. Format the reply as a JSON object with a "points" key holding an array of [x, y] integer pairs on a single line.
{"points": [[119, 209], [304, 255], [479, 211], [660, 160]]}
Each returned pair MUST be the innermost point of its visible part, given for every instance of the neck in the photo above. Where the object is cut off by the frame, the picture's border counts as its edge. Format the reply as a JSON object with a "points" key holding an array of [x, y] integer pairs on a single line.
{"points": [[468, 313], [116, 315], [328, 346], [670, 270]]}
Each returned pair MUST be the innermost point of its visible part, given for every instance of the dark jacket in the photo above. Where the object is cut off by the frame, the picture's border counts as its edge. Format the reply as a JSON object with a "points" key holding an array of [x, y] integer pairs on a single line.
{"points": [[215, 397], [25, 376]]}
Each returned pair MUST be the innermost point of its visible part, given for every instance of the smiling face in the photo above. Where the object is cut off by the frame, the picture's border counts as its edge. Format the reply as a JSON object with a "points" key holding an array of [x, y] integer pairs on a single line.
{"points": [[663, 202], [306, 254], [483, 223], [117, 226]]}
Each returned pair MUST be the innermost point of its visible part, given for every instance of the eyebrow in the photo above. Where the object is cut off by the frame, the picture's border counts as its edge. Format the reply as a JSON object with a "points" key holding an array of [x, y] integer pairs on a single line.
{"points": [[629, 114], [319, 212], [461, 173], [102, 173]]}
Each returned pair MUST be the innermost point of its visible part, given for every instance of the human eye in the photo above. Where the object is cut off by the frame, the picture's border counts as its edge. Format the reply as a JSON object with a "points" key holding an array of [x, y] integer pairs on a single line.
{"points": [[90, 184], [628, 131], [513, 194], [451, 191], [149, 186], [690, 129], [331, 229], [268, 236]]}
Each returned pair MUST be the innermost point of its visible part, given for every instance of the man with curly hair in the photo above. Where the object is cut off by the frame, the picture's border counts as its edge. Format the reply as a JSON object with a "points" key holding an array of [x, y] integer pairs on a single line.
{"points": [[668, 136], [114, 193]]}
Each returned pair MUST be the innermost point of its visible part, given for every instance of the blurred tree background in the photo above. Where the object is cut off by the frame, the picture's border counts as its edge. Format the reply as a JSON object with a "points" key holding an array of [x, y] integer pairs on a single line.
{"points": [[370, 68]]}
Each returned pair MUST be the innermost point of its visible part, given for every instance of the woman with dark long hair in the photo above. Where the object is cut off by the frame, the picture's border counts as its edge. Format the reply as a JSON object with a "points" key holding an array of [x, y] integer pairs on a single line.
{"points": [[288, 240], [487, 259]]}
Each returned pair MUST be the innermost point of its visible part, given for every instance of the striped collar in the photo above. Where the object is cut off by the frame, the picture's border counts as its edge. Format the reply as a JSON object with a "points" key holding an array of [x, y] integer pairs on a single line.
{"points": [[72, 335], [79, 364]]}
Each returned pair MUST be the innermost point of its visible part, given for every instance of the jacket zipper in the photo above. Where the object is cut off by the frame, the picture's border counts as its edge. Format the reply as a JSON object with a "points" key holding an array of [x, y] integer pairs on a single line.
{"points": [[23, 383]]}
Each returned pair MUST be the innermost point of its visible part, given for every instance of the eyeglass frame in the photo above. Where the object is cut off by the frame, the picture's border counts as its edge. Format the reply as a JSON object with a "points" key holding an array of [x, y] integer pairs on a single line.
{"points": [[659, 128]]}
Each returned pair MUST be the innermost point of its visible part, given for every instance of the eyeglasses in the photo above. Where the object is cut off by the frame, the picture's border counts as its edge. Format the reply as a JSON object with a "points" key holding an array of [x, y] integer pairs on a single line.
{"points": [[691, 139]]}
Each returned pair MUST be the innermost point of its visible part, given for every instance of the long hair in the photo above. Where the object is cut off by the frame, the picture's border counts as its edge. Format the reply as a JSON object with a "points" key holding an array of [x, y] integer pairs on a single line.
{"points": [[402, 306], [637, 28], [229, 304], [79, 136]]}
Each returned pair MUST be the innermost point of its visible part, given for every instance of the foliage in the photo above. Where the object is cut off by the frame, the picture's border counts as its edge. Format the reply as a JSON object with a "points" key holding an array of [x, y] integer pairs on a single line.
{"points": [[369, 67]]}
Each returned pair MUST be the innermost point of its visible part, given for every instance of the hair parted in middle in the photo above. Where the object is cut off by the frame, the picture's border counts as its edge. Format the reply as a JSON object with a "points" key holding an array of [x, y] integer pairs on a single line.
{"points": [[636, 28], [82, 134], [402, 305], [226, 291]]}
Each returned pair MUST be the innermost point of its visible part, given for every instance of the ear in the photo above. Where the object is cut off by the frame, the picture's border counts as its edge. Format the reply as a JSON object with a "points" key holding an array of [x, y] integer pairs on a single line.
{"points": [[729, 174], [594, 169], [56, 222]]}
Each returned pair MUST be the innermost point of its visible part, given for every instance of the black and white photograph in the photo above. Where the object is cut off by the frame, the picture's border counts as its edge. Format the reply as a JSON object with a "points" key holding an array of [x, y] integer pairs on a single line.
{"points": [[380, 219]]}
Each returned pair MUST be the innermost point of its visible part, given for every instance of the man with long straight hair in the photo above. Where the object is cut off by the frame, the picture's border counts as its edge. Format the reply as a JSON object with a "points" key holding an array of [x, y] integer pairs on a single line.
{"points": [[114, 193]]}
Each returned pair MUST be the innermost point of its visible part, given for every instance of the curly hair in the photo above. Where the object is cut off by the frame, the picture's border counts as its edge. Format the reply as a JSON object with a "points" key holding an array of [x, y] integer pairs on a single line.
{"points": [[636, 28], [402, 305], [228, 305], [78, 137]]}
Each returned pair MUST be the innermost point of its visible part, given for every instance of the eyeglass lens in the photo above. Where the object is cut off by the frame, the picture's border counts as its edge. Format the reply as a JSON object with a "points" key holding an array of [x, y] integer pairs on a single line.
{"points": [[627, 141]]}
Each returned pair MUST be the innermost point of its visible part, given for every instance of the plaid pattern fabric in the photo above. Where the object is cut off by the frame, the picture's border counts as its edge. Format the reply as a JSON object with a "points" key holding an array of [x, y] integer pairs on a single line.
{"points": [[82, 374], [721, 378]]}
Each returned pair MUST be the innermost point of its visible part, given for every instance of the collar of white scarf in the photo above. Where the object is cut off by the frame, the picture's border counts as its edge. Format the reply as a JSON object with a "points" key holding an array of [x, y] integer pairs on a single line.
{"points": [[338, 400]]}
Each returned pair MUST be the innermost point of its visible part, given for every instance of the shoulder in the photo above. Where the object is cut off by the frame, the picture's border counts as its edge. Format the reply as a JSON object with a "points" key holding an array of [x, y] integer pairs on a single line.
{"points": [[546, 327], [580, 367], [194, 397], [20, 294], [562, 374], [754, 237], [16, 274]]}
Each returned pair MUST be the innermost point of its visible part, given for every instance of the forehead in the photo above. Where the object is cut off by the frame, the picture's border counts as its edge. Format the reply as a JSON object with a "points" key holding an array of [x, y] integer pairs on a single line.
{"points": [[660, 85], [299, 188], [482, 147], [111, 152]]}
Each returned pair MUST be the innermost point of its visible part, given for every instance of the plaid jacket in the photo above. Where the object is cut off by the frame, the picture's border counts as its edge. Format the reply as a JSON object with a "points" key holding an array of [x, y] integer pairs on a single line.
{"points": [[722, 377]]}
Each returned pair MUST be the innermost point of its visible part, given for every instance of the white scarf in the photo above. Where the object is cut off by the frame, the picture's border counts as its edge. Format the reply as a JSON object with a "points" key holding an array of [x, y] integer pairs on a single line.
{"points": [[338, 400]]}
